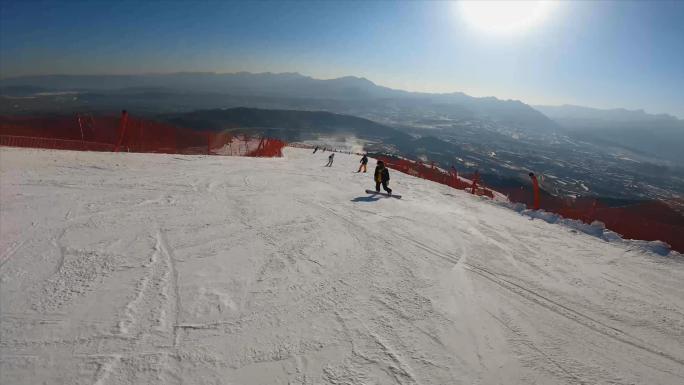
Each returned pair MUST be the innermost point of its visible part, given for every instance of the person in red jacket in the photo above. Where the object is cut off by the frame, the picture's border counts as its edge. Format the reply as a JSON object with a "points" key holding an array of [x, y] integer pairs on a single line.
{"points": [[535, 188]]}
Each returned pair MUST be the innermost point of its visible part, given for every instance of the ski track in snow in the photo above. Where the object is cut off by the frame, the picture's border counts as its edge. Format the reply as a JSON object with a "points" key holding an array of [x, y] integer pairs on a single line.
{"points": [[165, 269]]}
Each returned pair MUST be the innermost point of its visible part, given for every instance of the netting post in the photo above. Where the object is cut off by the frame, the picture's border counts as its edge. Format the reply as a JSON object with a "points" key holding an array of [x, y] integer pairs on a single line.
{"points": [[122, 129], [80, 125], [593, 210], [140, 136], [473, 187], [535, 188]]}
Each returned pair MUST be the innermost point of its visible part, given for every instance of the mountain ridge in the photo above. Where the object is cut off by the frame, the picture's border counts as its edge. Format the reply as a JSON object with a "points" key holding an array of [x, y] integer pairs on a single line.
{"points": [[21, 80], [657, 135], [343, 90], [571, 111], [347, 80]]}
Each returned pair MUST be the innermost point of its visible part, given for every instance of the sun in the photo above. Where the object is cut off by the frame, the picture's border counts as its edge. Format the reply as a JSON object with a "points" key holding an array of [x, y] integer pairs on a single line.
{"points": [[505, 16]]}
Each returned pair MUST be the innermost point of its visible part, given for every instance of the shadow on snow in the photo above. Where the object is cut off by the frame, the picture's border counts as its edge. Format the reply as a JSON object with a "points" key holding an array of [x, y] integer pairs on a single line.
{"points": [[365, 199]]}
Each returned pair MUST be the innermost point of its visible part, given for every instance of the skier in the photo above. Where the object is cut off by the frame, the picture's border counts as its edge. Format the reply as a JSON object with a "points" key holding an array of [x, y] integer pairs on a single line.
{"points": [[382, 177], [315, 149], [330, 160], [364, 163]]}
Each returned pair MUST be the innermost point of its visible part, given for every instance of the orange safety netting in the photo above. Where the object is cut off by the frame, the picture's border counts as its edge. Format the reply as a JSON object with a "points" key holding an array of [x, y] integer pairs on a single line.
{"points": [[436, 174], [124, 133], [55, 144], [646, 220]]}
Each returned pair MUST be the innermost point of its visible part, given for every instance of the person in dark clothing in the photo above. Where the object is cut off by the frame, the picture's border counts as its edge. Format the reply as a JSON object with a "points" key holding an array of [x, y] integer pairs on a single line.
{"points": [[330, 160], [364, 163], [382, 177], [535, 189], [315, 149]]}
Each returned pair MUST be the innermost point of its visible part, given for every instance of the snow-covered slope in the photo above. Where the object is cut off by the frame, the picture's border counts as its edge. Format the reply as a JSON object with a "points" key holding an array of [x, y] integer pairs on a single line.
{"points": [[162, 269]]}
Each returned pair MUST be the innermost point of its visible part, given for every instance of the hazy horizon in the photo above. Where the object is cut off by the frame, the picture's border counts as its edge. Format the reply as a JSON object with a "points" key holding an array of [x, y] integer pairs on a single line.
{"points": [[349, 76], [603, 55]]}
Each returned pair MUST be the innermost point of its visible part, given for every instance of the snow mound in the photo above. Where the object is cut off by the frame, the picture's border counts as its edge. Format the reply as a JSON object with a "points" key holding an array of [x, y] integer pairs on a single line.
{"points": [[164, 269]]}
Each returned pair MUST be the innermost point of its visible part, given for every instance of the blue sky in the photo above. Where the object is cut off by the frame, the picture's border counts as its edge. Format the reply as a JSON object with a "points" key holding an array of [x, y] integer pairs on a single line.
{"points": [[600, 54]]}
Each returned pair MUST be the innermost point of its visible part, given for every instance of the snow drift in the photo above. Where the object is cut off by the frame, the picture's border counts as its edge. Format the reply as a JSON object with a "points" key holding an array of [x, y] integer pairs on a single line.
{"points": [[144, 269]]}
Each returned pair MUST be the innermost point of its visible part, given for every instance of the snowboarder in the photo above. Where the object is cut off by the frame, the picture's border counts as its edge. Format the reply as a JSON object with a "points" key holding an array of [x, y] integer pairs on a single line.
{"points": [[330, 160], [364, 163], [382, 177]]}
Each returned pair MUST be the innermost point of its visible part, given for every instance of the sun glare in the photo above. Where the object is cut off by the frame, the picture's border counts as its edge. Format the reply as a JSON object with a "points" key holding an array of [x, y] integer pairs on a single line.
{"points": [[504, 16]]}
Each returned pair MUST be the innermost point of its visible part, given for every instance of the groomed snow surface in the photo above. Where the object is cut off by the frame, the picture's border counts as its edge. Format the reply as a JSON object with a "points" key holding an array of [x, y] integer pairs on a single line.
{"points": [[164, 269]]}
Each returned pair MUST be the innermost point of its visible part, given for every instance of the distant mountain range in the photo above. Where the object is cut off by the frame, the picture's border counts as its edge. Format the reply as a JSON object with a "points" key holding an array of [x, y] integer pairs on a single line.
{"points": [[657, 135], [593, 116], [350, 95]]}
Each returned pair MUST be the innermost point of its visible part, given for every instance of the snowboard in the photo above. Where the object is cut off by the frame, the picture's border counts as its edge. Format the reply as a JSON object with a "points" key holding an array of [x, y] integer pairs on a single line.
{"points": [[383, 193]]}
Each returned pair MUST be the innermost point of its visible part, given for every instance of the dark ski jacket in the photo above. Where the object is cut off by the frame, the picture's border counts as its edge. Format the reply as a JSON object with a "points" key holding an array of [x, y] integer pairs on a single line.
{"points": [[364, 160], [381, 174]]}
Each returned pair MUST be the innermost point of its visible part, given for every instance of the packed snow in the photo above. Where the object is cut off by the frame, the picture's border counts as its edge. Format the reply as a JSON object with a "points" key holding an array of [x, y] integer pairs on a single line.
{"points": [[166, 269]]}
